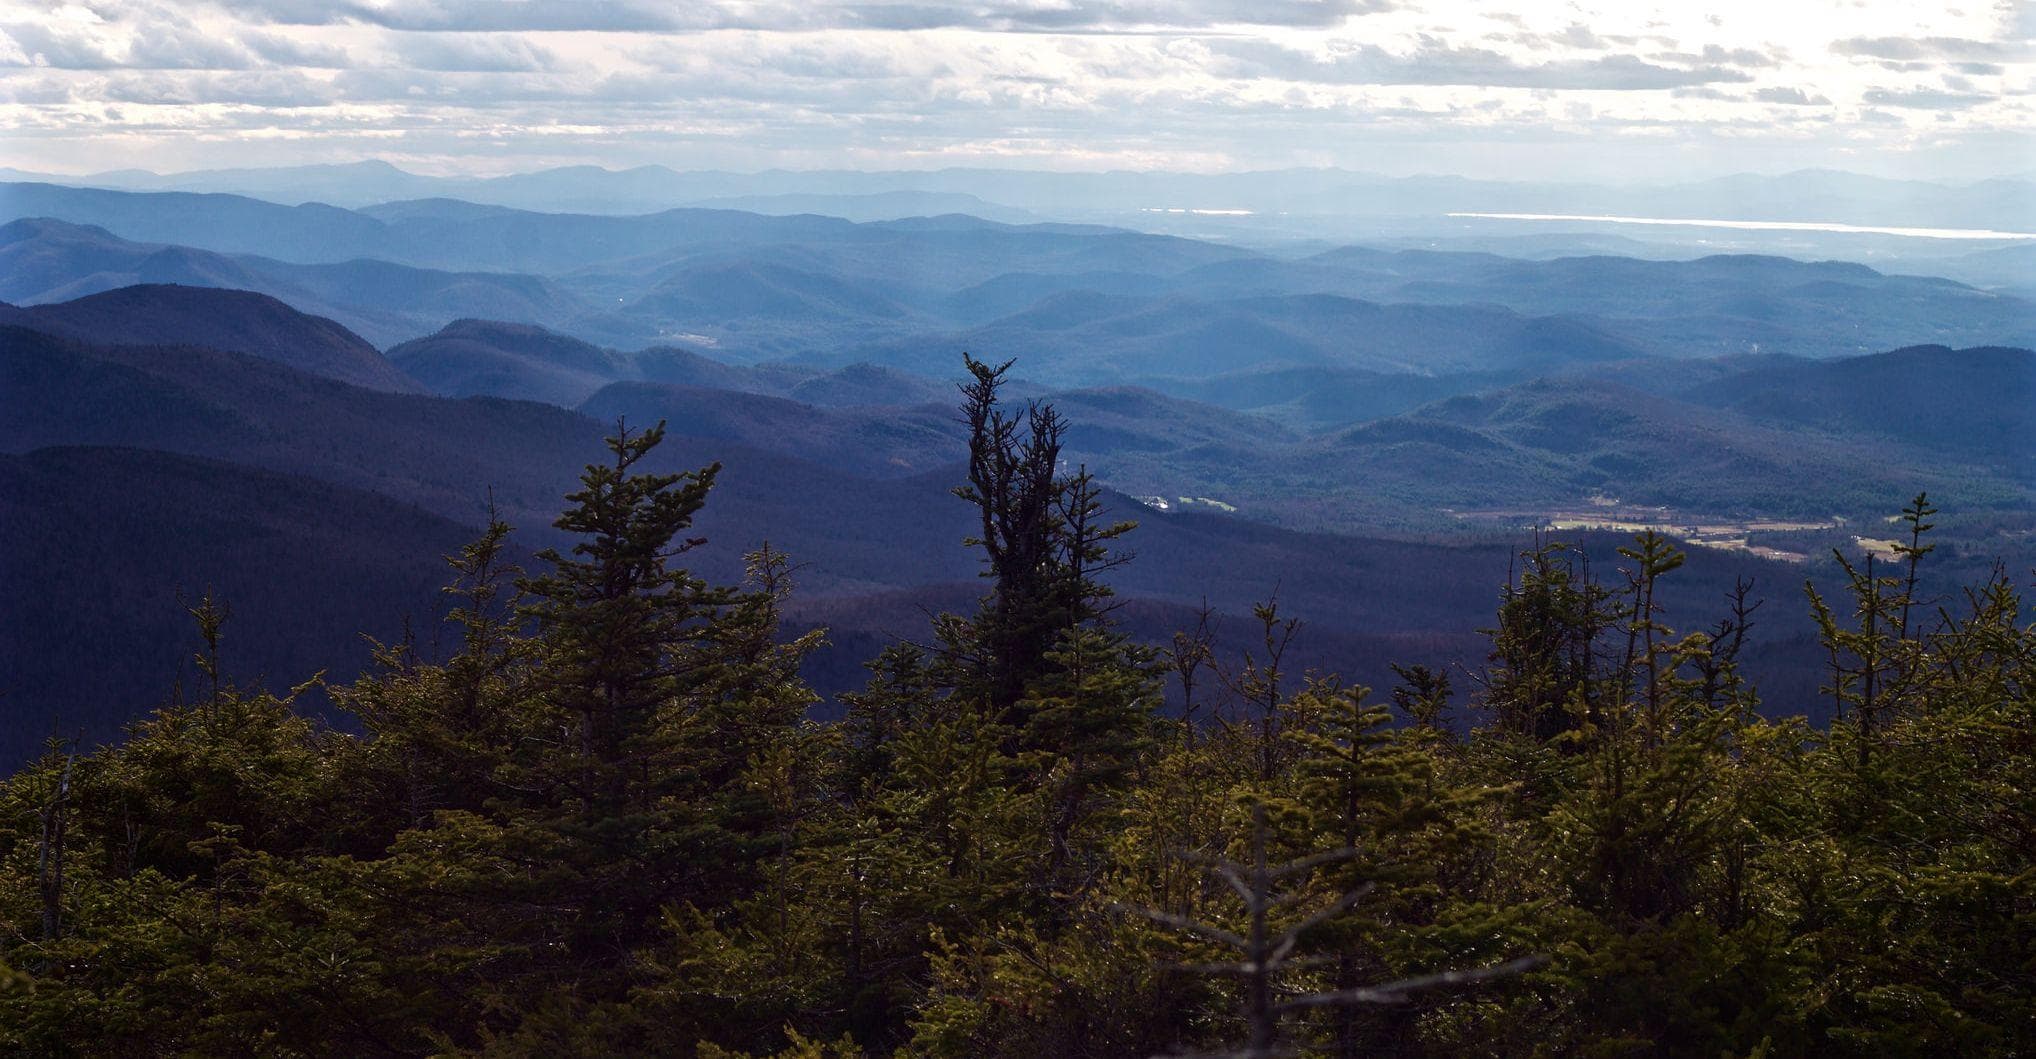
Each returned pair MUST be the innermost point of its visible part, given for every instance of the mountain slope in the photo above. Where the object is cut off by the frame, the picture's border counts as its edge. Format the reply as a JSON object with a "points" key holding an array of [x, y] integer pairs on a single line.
{"points": [[230, 320], [1086, 339], [882, 443], [103, 548], [1775, 448], [1973, 403], [488, 357], [482, 357], [859, 534], [43, 260], [444, 455], [223, 223]]}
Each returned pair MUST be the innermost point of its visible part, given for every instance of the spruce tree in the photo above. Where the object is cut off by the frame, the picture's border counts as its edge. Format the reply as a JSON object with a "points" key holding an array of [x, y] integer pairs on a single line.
{"points": [[1044, 540]]}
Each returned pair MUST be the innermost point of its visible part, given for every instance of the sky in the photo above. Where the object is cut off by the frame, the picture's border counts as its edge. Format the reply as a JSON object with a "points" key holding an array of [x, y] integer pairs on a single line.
{"points": [[1619, 91]]}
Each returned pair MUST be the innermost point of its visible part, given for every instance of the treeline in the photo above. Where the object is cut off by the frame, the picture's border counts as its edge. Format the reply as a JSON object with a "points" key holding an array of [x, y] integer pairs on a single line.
{"points": [[604, 826]]}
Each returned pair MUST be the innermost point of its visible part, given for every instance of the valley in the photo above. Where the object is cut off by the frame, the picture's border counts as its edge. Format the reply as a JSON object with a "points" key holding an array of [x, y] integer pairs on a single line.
{"points": [[1608, 515], [1419, 416]]}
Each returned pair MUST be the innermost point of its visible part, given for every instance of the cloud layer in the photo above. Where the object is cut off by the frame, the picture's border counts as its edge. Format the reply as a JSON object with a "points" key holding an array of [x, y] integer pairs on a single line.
{"points": [[1396, 85]]}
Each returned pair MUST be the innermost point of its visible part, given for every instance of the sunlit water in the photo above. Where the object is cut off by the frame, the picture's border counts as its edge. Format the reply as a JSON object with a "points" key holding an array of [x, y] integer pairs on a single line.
{"points": [[1764, 226]]}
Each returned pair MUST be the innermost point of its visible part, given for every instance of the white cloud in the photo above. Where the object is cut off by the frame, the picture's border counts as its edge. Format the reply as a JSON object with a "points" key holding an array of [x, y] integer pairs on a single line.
{"points": [[1203, 83], [1434, 62], [284, 49], [1924, 98], [471, 53], [624, 16], [1794, 97], [59, 47]]}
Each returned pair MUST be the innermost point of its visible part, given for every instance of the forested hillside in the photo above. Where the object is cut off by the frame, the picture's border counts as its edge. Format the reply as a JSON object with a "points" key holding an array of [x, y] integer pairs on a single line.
{"points": [[1093, 305], [600, 821]]}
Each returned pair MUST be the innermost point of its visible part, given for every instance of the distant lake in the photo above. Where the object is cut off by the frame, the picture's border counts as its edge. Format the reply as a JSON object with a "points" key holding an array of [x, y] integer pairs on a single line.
{"points": [[1785, 226], [1196, 212]]}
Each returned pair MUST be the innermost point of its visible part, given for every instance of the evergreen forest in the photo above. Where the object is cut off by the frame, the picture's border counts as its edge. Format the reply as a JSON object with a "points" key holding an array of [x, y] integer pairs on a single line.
{"points": [[602, 822]]}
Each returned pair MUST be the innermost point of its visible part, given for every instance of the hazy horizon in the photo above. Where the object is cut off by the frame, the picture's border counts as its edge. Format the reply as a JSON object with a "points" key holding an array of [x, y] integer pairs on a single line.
{"points": [[490, 173]]}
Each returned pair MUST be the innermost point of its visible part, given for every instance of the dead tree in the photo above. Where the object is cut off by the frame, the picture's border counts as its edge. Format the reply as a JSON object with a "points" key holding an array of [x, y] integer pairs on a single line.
{"points": [[54, 816], [1257, 682], [1192, 651], [1265, 954]]}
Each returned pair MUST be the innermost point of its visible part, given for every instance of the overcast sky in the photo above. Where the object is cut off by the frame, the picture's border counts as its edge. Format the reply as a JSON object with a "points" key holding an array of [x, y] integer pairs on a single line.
{"points": [[1648, 91]]}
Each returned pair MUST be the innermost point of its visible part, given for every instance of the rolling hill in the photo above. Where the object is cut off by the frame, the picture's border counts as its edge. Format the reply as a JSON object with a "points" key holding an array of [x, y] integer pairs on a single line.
{"points": [[1970, 404], [1087, 305], [469, 358], [877, 537], [43, 260], [877, 443], [1087, 339], [234, 321], [490, 358]]}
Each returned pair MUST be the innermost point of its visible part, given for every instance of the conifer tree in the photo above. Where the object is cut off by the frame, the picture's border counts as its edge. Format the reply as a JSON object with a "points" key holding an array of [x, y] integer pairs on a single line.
{"points": [[642, 767], [1044, 540], [614, 617], [1089, 722], [1547, 674], [441, 733]]}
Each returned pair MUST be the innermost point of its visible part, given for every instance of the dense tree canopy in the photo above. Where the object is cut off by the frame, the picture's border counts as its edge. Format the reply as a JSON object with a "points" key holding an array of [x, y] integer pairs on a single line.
{"points": [[604, 825]]}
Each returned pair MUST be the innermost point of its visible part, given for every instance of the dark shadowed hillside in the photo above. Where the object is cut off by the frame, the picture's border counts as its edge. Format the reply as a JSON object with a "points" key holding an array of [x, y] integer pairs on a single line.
{"points": [[856, 534], [855, 482], [473, 357], [230, 320], [103, 548], [440, 453], [881, 443], [1967, 403]]}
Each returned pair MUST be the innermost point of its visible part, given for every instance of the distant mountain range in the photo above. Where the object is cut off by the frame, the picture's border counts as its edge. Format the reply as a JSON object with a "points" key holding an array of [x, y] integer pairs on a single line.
{"points": [[1737, 435], [227, 382], [489, 357], [249, 446], [45, 260], [1089, 306], [1741, 436], [211, 467], [1805, 195]]}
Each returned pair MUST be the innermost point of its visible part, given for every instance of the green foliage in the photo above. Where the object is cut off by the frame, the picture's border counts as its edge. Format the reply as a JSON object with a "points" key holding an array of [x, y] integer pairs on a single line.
{"points": [[604, 825], [1044, 541]]}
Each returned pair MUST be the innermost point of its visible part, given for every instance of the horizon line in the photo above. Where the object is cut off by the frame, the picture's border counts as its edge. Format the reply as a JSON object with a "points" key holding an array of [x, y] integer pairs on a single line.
{"points": [[1043, 172]]}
